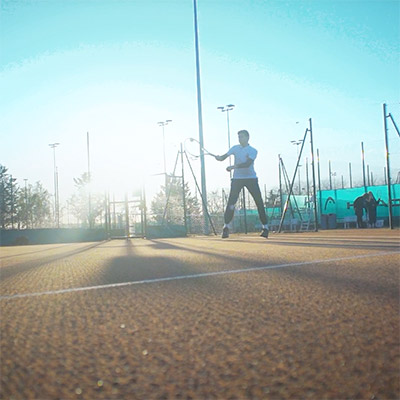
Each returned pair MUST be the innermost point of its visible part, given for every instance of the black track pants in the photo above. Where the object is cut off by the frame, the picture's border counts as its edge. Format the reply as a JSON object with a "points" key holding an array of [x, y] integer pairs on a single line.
{"points": [[236, 186]]}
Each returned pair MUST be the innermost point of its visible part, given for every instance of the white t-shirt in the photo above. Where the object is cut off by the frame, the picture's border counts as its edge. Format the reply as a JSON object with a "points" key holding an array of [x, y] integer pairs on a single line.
{"points": [[242, 154]]}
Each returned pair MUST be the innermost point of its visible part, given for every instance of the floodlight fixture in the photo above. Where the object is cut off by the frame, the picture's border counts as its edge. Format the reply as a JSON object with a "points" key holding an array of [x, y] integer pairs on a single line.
{"points": [[163, 123], [297, 142], [228, 107]]}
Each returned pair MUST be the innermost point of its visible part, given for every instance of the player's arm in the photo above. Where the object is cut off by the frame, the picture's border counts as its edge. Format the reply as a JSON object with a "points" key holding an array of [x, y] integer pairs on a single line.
{"points": [[246, 164], [222, 158]]}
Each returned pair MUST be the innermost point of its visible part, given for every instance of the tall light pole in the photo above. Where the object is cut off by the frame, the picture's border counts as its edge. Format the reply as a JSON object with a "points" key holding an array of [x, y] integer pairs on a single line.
{"points": [[26, 204], [89, 181], [350, 176], [297, 143], [200, 119], [56, 204], [12, 180], [227, 108], [162, 124], [363, 166]]}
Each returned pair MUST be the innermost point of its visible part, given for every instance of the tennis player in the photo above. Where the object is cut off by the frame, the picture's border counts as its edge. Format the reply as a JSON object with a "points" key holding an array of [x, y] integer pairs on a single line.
{"points": [[244, 175]]}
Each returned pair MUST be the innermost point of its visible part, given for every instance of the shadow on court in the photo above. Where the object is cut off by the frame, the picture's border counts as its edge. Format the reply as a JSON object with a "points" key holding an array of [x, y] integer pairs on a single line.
{"points": [[164, 246], [18, 268], [33, 252], [133, 267], [309, 330], [342, 283], [354, 244]]}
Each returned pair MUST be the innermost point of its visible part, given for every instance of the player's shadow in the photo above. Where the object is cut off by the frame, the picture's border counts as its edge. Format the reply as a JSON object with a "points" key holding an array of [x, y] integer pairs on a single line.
{"points": [[134, 267]]}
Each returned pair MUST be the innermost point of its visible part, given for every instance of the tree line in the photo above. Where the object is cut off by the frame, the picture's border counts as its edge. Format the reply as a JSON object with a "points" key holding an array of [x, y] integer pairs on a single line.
{"points": [[31, 206], [23, 208]]}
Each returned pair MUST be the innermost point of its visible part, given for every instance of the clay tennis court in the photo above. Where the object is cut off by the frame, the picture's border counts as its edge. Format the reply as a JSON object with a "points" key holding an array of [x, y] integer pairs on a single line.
{"points": [[311, 315]]}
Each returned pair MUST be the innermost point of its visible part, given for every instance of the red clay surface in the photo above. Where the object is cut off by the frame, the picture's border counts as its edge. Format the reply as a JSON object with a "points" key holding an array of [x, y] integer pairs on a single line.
{"points": [[297, 316]]}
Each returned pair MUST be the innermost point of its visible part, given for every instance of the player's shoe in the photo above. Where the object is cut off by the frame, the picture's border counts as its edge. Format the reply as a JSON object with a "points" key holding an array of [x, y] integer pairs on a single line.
{"points": [[225, 233], [264, 233]]}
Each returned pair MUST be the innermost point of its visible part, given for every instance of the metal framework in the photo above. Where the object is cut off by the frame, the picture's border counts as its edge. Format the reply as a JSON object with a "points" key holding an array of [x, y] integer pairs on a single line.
{"points": [[307, 131]]}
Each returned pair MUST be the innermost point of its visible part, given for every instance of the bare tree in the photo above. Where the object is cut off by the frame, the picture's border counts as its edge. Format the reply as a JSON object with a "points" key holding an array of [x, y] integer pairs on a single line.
{"points": [[174, 212], [78, 203]]}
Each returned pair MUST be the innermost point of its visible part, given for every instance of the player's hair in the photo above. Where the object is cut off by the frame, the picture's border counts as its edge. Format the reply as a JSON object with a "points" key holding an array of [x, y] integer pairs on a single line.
{"points": [[244, 132]]}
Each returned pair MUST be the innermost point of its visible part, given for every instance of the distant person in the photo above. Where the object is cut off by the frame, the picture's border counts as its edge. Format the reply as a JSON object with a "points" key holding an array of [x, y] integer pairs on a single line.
{"points": [[359, 204], [244, 175], [371, 204]]}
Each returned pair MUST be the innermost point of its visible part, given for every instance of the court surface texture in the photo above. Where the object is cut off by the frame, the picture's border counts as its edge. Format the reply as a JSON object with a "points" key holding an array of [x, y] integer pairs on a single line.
{"points": [[298, 316]]}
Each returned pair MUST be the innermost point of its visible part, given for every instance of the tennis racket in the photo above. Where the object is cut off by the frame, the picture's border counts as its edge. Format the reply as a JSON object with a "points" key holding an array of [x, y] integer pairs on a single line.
{"points": [[192, 147]]}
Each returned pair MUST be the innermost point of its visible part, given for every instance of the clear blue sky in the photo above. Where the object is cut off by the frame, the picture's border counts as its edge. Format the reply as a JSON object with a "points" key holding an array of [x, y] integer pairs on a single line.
{"points": [[116, 68]]}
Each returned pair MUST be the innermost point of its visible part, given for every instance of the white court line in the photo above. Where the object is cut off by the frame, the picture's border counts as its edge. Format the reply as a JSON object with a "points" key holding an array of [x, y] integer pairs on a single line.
{"points": [[202, 275]]}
